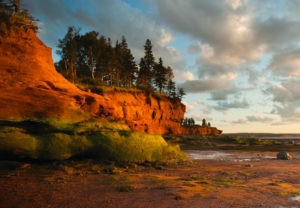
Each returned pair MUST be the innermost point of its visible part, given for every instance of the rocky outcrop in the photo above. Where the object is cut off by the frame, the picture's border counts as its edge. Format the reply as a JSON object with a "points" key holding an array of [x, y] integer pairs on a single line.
{"points": [[201, 130], [144, 112], [30, 87], [284, 156]]}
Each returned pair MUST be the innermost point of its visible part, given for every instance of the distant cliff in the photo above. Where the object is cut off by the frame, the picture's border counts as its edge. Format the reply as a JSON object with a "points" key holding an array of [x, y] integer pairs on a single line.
{"points": [[31, 87], [201, 130]]}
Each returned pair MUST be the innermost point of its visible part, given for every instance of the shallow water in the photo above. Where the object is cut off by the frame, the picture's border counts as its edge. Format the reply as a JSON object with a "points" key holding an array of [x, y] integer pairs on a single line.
{"points": [[295, 198], [228, 156]]}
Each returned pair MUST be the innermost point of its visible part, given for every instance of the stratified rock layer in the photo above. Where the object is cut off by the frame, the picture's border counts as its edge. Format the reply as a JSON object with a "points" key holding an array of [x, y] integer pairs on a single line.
{"points": [[30, 87]]}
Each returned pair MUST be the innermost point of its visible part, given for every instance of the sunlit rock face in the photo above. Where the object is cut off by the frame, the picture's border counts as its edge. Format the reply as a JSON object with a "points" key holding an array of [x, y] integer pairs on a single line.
{"points": [[30, 87], [145, 112], [201, 130]]}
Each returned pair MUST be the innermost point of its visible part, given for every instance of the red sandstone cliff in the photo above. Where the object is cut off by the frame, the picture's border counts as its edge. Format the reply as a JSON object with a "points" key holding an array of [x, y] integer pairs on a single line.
{"points": [[30, 87]]}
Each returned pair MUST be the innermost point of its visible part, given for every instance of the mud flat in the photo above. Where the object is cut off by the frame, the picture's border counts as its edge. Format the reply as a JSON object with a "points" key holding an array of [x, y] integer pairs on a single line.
{"points": [[222, 179]]}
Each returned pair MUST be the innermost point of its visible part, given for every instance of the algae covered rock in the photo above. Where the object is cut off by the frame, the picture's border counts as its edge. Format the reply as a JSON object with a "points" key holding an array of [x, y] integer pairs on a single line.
{"points": [[284, 156], [98, 138]]}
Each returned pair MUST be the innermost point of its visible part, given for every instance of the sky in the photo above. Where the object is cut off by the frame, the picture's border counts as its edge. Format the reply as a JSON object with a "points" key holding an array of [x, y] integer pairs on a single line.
{"points": [[237, 60]]}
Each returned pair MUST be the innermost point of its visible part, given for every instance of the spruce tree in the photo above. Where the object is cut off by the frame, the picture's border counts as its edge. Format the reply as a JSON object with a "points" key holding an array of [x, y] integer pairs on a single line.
{"points": [[171, 89], [181, 93], [118, 66], [16, 5], [102, 59], [145, 73], [68, 50], [5, 11], [149, 58], [160, 75], [89, 51], [130, 68], [110, 64], [204, 122], [141, 81]]}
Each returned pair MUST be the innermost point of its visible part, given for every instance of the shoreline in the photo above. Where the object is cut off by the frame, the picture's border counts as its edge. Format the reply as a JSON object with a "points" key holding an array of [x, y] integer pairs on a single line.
{"points": [[238, 178], [201, 183]]}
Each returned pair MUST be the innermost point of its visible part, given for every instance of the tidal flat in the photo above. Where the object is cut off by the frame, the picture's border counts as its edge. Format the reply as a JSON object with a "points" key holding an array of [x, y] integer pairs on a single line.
{"points": [[221, 179]]}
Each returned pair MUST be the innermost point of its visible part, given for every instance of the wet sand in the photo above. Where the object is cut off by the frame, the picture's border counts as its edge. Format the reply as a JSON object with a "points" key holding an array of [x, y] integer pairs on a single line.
{"points": [[209, 182]]}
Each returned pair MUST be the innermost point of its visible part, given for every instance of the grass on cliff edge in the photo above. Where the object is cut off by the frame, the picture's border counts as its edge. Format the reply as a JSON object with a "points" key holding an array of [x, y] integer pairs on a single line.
{"points": [[102, 139]]}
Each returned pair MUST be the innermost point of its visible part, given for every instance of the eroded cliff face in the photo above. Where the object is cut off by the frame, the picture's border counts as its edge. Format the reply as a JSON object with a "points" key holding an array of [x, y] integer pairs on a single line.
{"points": [[145, 112], [30, 87], [201, 130]]}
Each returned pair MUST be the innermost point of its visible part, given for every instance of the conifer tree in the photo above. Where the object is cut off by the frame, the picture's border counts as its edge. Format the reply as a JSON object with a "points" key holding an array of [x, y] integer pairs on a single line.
{"points": [[141, 79], [181, 93], [110, 65], [145, 73], [160, 75], [149, 58], [130, 68], [5, 11], [102, 59], [92, 59], [118, 66], [192, 122], [185, 122], [16, 5], [68, 49], [204, 122], [89, 51], [171, 89]]}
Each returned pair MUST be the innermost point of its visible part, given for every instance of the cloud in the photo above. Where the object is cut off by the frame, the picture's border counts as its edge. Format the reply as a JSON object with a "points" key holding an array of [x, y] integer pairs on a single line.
{"points": [[183, 75], [188, 76], [235, 4], [224, 94], [112, 18], [286, 63], [198, 118], [290, 113], [254, 118], [194, 48], [189, 107], [224, 28], [239, 121], [204, 85], [287, 98], [208, 70], [258, 118], [286, 92], [230, 33], [277, 32], [235, 104]]}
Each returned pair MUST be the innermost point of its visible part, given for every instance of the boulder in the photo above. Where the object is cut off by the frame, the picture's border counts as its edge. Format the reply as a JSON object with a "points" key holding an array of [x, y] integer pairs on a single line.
{"points": [[284, 156]]}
